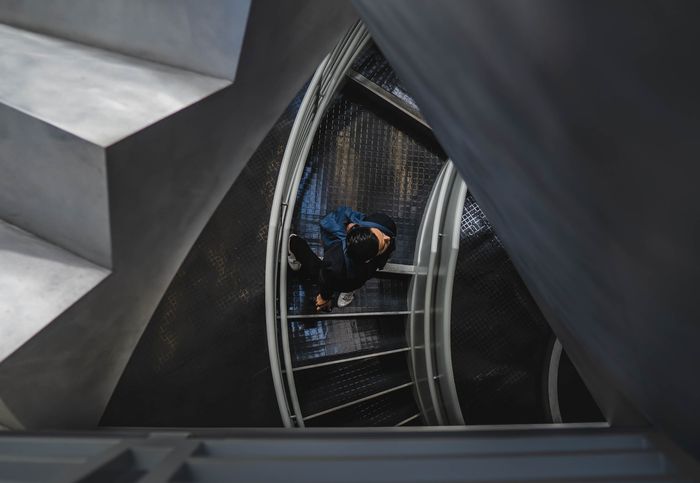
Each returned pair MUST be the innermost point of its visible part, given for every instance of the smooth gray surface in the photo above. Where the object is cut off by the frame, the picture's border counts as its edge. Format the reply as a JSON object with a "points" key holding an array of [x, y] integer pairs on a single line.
{"points": [[97, 95], [38, 281], [54, 185], [163, 183], [576, 125], [567, 453], [200, 35]]}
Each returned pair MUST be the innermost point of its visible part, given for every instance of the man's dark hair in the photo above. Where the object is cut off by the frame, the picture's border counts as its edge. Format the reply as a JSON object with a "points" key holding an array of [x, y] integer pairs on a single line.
{"points": [[362, 245]]}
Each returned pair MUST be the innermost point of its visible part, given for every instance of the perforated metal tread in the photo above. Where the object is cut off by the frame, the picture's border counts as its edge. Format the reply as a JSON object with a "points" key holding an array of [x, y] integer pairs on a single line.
{"points": [[339, 384], [371, 159], [373, 65], [378, 294], [498, 334], [322, 341], [385, 410]]}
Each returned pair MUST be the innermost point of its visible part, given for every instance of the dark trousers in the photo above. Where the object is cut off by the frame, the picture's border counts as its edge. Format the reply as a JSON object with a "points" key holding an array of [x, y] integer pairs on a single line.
{"points": [[310, 263]]}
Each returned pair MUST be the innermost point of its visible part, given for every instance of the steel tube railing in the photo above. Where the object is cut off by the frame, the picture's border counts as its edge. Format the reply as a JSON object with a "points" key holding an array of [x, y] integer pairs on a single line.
{"points": [[326, 81]]}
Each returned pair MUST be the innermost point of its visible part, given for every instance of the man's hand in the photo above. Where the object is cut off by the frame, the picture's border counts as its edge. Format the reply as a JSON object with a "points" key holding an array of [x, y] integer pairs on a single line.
{"points": [[323, 305], [349, 226]]}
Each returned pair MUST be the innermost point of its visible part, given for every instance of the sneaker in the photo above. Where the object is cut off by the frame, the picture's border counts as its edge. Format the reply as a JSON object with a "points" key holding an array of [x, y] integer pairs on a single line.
{"points": [[345, 298], [294, 264]]}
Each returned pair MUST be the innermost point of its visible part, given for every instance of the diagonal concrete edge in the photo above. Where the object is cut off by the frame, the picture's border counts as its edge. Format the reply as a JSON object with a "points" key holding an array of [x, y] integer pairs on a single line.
{"points": [[38, 281], [164, 182], [576, 124], [203, 36]]}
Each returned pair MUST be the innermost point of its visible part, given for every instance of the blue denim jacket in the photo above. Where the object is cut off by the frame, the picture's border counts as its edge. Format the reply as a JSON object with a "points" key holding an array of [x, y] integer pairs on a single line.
{"points": [[339, 272], [333, 225]]}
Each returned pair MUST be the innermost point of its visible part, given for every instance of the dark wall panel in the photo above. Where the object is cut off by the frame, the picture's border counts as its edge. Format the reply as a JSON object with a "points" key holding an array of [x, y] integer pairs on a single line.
{"points": [[499, 337], [575, 124], [203, 359]]}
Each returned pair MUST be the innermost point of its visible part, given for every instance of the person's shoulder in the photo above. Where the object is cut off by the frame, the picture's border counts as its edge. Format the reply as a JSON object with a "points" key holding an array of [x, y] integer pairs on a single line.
{"points": [[384, 220]]}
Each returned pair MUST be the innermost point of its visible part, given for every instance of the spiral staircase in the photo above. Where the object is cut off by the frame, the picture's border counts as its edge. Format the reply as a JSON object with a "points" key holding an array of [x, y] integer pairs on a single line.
{"points": [[446, 336]]}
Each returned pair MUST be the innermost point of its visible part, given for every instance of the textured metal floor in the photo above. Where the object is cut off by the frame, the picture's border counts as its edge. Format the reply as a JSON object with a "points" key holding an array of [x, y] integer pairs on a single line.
{"points": [[499, 336], [203, 359], [372, 65], [334, 385], [386, 410], [317, 341], [386, 293], [366, 158], [361, 160]]}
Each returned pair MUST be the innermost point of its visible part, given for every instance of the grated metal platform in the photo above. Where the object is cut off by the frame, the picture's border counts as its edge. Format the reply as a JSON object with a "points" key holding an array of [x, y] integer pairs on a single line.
{"points": [[361, 160], [373, 65], [499, 336], [368, 155], [388, 293], [320, 341], [202, 360]]}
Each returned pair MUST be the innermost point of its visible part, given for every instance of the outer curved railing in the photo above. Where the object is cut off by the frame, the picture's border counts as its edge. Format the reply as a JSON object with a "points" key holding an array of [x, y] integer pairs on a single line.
{"points": [[430, 304], [328, 78], [437, 247], [430, 300], [552, 382]]}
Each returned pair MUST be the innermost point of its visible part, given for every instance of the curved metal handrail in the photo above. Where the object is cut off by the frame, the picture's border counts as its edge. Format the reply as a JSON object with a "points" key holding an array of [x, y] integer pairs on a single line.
{"points": [[416, 305], [444, 283], [328, 78], [431, 298], [553, 382]]}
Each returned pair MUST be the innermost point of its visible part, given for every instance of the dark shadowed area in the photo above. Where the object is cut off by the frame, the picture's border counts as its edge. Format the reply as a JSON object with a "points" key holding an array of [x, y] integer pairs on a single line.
{"points": [[575, 125]]}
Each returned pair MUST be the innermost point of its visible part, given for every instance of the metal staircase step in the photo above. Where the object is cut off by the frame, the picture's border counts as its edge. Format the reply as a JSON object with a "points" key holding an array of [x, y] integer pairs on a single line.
{"points": [[315, 341], [379, 294], [334, 385], [358, 401], [373, 66], [346, 315], [398, 269], [388, 98], [380, 410], [349, 359]]}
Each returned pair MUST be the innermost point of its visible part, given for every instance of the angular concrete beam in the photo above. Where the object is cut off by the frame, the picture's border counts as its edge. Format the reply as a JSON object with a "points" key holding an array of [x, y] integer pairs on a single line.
{"points": [[61, 104], [38, 281], [165, 145], [204, 36]]}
